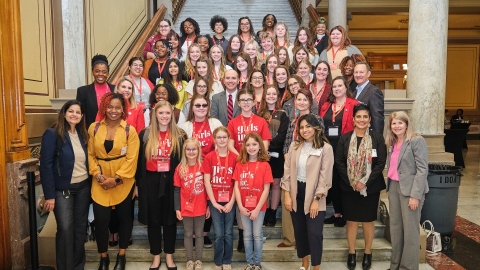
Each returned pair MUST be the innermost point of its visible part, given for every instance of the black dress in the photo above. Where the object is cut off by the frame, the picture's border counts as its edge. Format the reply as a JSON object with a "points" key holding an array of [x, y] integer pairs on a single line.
{"points": [[356, 207]]}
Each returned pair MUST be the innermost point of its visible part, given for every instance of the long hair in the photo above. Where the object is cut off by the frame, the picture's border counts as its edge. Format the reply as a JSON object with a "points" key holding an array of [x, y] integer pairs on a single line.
{"points": [[309, 43], [105, 102], [262, 153], [287, 34], [256, 64], [267, 72], [229, 54], [301, 83], [287, 59], [184, 162], [179, 51], [331, 98], [264, 25], [131, 100], [275, 75], [222, 69], [345, 41], [264, 112], [174, 133], [239, 31], [295, 63], [329, 76], [197, 80], [189, 67], [409, 132], [245, 57], [191, 115], [209, 77], [319, 138], [221, 128], [195, 26], [250, 79], [168, 79], [61, 125], [308, 94]]}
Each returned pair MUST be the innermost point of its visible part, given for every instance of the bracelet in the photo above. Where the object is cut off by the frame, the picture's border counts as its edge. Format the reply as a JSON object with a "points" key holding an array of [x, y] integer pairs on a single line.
{"points": [[99, 176]]}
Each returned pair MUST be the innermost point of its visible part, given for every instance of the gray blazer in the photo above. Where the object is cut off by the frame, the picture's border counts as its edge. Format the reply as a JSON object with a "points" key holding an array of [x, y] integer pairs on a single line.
{"points": [[373, 96], [218, 108], [412, 168]]}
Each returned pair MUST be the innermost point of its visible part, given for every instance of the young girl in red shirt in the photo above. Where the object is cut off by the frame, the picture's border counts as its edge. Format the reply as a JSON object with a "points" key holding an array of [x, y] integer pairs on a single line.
{"points": [[252, 176], [191, 201]]}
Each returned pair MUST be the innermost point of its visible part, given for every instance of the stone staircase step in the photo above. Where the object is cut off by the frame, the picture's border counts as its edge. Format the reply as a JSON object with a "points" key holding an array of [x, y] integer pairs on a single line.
{"points": [[334, 250], [329, 231]]}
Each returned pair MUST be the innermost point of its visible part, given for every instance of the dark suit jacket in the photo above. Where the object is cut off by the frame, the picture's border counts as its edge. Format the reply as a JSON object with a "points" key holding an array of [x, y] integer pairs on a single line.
{"points": [[375, 182], [218, 108], [87, 96], [56, 171], [373, 96], [322, 45], [412, 168]]}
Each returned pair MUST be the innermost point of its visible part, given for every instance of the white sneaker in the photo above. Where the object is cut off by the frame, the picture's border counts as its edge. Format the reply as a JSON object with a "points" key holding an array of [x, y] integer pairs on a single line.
{"points": [[198, 265], [227, 267], [190, 265], [302, 268]]}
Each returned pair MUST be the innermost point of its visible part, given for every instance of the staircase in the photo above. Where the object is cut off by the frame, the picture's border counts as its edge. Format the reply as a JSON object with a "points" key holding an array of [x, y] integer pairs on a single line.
{"points": [[335, 247], [202, 11]]}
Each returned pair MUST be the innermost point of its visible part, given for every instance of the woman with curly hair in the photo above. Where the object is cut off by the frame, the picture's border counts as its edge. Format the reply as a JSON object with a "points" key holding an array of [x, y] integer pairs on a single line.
{"points": [[205, 42], [219, 25], [304, 40], [154, 68], [168, 93], [189, 29]]}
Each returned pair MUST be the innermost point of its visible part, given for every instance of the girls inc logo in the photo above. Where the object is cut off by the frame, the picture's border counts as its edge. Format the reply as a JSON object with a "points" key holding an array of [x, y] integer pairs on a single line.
{"points": [[218, 174], [202, 137], [242, 131], [195, 183], [244, 178]]}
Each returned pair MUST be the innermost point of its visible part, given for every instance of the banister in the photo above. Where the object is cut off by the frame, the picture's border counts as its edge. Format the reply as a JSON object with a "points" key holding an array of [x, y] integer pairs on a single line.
{"points": [[177, 6]]}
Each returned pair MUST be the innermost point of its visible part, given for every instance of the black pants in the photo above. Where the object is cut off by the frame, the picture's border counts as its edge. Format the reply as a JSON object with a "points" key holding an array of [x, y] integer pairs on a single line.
{"points": [[158, 212], [102, 221], [113, 226], [71, 214], [335, 193], [308, 231]]}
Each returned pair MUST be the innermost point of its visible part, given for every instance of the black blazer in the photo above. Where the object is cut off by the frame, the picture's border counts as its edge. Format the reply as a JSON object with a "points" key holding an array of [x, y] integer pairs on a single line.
{"points": [[375, 182], [322, 45], [56, 171], [373, 96], [87, 96]]}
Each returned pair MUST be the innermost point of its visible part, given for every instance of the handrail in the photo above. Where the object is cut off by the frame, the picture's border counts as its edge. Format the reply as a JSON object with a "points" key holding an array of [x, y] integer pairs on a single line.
{"points": [[312, 24], [177, 6], [136, 49], [296, 6]]}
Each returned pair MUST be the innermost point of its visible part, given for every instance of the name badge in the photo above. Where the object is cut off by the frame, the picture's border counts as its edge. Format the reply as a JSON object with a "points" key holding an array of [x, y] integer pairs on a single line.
{"points": [[251, 201], [141, 104], [163, 166], [124, 150], [374, 152], [333, 66], [333, 131], [157, 80], [273, 154], [189, 206], [223, 196]]}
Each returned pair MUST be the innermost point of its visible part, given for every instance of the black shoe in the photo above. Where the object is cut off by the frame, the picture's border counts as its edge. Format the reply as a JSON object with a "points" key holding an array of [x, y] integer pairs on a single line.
{"points": [[352, 261], [240, 246], [104, 263], [207, 243], [340, 222], [330, 220], [266, 218], [272, 221], [130, 242], [367, 261], [121, 261], [172, 268]]}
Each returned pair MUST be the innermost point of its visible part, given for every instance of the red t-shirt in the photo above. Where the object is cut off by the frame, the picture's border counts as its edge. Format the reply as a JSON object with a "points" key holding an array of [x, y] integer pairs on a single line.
{"points": [[251, 180], [163, 154], [238, 129], [201, 131], [220, 175], [192, 190]]}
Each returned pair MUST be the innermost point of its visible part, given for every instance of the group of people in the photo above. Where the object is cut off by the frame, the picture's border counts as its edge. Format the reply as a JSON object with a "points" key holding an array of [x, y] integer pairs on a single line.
{"points": [[206, 130]]}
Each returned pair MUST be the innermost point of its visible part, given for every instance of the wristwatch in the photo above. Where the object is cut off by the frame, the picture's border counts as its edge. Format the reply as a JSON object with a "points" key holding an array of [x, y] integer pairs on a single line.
{"points": [[118, 180], [317, 198]]}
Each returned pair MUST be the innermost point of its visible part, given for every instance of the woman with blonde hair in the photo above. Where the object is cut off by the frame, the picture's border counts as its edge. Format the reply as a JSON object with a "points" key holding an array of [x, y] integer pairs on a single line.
{"points": [[160, 153], [253, 50], [193, 54], [217, 57], [406, 186], [281, 35], [304, 40]]}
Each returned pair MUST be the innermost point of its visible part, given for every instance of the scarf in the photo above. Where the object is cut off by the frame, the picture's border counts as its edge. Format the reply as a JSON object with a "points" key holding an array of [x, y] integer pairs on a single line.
{"points": [[359, 161]]}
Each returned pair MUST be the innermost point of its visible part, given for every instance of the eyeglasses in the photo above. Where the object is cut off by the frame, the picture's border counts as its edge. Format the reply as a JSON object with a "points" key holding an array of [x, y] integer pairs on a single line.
{"points": [[257, 78], [201, 105], [246, 100], [191, 149], [292, 84], [202, 86], [221, 138]]}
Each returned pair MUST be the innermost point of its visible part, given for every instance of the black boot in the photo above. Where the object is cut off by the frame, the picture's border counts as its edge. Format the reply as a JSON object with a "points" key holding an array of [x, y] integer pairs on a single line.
{"points": [[266, 219], [104, 263], [121, 261], [367, 261], [241, 246], [272, 221], [352, 261]]}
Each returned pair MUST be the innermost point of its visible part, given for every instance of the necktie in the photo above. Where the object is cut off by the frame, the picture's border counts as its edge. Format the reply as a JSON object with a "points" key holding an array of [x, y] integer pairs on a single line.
{"points": [[230, 107]]}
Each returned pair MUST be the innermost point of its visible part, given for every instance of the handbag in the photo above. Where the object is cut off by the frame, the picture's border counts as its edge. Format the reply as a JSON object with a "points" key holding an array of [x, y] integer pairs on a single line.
{"points": [[434, 242]]}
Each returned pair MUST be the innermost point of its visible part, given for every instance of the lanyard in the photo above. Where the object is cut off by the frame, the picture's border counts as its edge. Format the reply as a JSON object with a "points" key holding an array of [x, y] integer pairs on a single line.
{"points": [[264, 56], [162, 143], [191, 40], [195, 134], [318, 41], [246, 128], [334, 112], [240, 83], [196, 167], [136, 86], [334, 53], [178, 85], [271, 115], [268, 79], [174, 55], [318, 94], [249, 38], [283, 97], [160, 70], [224, 169], [284, 42]]}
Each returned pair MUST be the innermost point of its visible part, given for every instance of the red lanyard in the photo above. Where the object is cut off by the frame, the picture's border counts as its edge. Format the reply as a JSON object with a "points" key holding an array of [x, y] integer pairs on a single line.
{"points": [[136, 86], [334, 112], [246, 128], [191, 75], [224, 170], [195, 134], [240, 83], [177, 84], [188, 45], [174, 55], [160, 70], [334, 53], [268, 79], [307, 85], [283, 97], [265, 56], [284, 42], [250, 37], [271, 115], [162, 143], [319, 94]]}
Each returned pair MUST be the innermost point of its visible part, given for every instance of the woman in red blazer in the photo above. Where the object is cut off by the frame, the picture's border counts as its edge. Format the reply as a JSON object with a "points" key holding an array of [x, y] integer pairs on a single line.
{"points": [[337, 114]]}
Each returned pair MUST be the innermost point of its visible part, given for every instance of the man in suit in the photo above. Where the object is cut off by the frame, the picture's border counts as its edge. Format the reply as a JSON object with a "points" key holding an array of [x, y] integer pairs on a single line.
{"points": [[369, 94], [220, 101]]}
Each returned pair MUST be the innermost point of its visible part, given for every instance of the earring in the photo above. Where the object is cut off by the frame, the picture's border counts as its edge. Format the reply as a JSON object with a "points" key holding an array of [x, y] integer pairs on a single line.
{"points": [[123, 113]]}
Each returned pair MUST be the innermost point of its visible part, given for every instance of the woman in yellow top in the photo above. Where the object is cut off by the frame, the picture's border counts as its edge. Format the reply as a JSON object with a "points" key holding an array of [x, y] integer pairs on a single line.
{"points": [[112, 154], [173, 76]]}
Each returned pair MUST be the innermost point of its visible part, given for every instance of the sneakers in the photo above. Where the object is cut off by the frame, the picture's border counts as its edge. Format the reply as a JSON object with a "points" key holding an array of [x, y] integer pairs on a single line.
{"points": [[190, 265], [217, 267], [198, 265], [301, 268], [207, 243], [257, 267], [227, 267], [249, 267]]}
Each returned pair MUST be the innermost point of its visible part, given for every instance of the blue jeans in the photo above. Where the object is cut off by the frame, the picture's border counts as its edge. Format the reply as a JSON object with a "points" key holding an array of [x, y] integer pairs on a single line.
{"points": [[223, 228], [253, 236], [71, 214]]}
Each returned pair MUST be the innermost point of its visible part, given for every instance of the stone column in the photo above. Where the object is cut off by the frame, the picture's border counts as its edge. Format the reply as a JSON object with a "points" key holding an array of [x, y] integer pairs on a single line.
{"points": [[74, 43], [337, 13], [427, 71]]}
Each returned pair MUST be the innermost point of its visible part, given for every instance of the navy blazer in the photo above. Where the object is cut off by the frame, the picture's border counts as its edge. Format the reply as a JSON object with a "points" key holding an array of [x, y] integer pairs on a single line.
{"points": [[56, 171], [88, 97]]}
